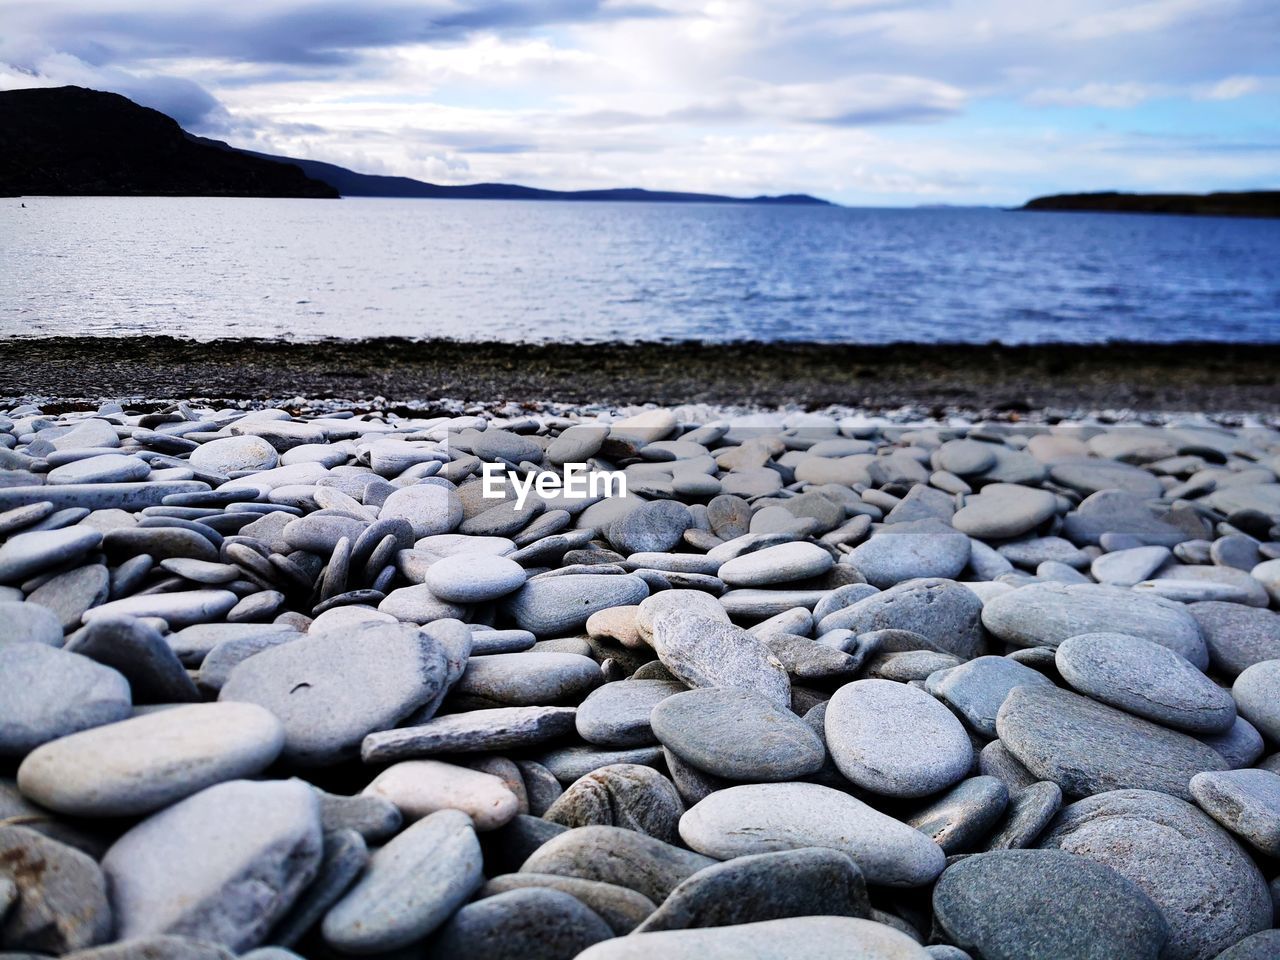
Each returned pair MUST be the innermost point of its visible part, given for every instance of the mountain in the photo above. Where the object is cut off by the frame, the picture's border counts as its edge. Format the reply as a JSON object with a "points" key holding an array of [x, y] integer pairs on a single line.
{"points": [[352, 184], [69, 141], [1253, 203]]}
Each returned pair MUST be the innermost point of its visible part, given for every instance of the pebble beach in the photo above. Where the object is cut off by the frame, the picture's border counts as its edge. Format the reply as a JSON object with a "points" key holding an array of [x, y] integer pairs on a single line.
{"points": [[288, 682]]}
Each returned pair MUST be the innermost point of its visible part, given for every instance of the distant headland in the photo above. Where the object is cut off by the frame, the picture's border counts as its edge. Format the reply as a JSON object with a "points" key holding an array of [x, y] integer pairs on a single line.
{"points": [[1252, 203], [71, 141]]}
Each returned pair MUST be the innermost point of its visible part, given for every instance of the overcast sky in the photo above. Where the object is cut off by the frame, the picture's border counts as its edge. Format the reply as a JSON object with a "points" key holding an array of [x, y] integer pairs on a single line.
{"points": [[863, 101]]}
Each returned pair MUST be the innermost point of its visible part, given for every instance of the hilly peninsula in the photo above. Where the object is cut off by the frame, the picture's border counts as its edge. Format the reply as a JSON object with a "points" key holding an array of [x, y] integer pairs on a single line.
{"points": [[1251, 203]]}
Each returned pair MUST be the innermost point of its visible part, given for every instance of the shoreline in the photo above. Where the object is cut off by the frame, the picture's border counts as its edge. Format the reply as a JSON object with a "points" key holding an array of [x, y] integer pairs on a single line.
{"points": [[991, 379]]}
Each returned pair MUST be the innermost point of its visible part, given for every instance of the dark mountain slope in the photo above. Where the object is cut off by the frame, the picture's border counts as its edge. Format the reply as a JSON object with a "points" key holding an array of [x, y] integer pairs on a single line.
{"points": [[1254, 203]]}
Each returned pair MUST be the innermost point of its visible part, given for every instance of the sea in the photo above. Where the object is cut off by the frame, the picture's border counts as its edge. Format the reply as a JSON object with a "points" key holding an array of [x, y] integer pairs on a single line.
{"points": [[207, 268]]}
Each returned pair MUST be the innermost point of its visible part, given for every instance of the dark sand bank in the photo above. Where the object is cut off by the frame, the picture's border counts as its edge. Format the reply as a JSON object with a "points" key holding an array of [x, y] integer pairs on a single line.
{"points": [[1149, 377]]}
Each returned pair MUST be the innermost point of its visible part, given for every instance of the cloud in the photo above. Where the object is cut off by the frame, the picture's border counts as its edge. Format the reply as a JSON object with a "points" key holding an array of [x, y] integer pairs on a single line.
{"points": [[1111, 96]]}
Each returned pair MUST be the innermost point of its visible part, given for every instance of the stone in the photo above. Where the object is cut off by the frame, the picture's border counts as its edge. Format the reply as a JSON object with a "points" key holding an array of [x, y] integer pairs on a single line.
{"points": [[417, 604], [164, 947], [781, 564], [331, 690], [1263, 945], [964, 458], [223, 865], [373, 818], [621, 795], [528, 679], [946, 613], [1092, 476], [1030, 811], [652, 527], [532, 923], [1124, 568], [1209, 891], [106, 468], [1257, 695], [503, 728], [431, 507], [345, 858], [1246, 802], [60, 895], [139, 652], [28, 623], [705, 652], [895, 740], [1087, 747], [737, 734], [70, 594], [1240, 746], [1004, 510], [617, 714], [910, 551], [420, 788], [178, 610], [1046, 905], [567, 764], [46, 693], [562, 604], [958, 820], [810, 881], [976, 689], [320, 533], [626, 858], [152, 760], [160, 542], [474, 578], [28, 553], [228, 455], [622, 909], [814, 938], [1237, 636], [767, 817], [412, 885], [1045, 614]]}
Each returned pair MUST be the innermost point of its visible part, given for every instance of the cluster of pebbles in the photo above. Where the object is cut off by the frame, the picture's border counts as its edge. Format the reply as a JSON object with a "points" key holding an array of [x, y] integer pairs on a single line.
{"points": [[814, 688]]}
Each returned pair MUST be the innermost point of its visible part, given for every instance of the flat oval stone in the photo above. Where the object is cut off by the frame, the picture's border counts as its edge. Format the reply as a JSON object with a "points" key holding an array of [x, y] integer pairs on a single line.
{"points": [[149, 761], [28, 553], [737, 734], [532, 923], [622, 909], [976, 689], [1046, 905], [617, 714], [1238, 636], [946, 613], [1087, 747], [1090, 476], [319, 533], [1246, 802], [333, 689], [431, 507], [1045, 614], [529, 679], [1004, 510], [624, 795], [965, 814], [228, 455], [705, 652], [1209, 891], [223, 865], [108, 468], [655, 526], [562, 604], [70, 594], [815, 938], [927, 548], [767, 817], [964, 458], [1257, 695], [46, 693], [179, 609], [412, 885], [419, 788], [894, 739], [474, 578], [1145, 679], [159, 543], [781, 564], [26, 622], [504, 728], [57, 896]]}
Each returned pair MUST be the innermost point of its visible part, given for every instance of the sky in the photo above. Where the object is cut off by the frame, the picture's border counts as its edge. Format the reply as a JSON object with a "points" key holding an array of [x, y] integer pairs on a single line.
{"points": [[867, 102]]}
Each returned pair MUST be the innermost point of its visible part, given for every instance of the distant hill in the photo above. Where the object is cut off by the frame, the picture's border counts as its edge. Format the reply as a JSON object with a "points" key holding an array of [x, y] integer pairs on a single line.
{"points": [[1253, 203], [69, 141], [352, 184]]}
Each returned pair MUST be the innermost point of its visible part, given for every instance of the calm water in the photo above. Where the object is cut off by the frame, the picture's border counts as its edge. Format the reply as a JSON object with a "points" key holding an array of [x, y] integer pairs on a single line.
{"points": [[305, 269]]}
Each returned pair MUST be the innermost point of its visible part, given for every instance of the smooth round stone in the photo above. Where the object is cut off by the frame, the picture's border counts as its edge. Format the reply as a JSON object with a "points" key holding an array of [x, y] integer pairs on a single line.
{"points": [[1124, 568], [1045, 614], [976, 689], [20, 517], [895, 740], [152, 760], [459, 544], [432, 508], [419, 788], [1087, 747], [1240, 746], [319, 533], [1046, 905], [577, 443], [202, 571], [617, 714], [1257, 695], [160, 543], [474, 578], [176, 609], [53, 897], [529, 679], [654, 527], [28, 623], [1238, 585], [767, 817], [781, 564], [46, 693], [964, 815], [737, 734], [331, 690], [87, 435], [228, 455], [1145, 679], [562, 604], [108, 468], [706, 652], [1246, 802], [814, 938], [223, 865], [626, 795], [1004, 510], [533, 923], [964, 458], [70, 594], [28, 553], [138, 651], [893, 556], [412, 885], [338, 618], [946, 613], [1264, 945], [1238, 636], [1209, 891], [1090, 476], [418, 604], [622, 909]]}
